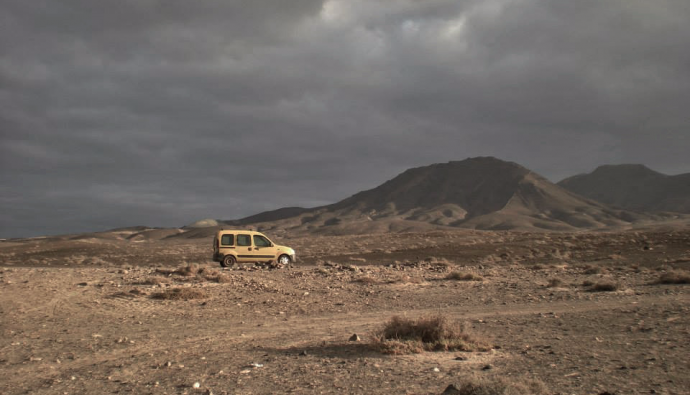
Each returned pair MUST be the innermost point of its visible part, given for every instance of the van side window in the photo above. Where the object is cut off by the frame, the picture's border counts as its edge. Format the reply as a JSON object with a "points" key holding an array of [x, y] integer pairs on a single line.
{"points": [[227, 240], [244, 240], [261, 241]]}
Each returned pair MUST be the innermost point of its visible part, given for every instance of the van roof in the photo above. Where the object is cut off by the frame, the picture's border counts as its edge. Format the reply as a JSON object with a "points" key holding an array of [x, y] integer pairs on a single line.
{"points": [[239, 231]]}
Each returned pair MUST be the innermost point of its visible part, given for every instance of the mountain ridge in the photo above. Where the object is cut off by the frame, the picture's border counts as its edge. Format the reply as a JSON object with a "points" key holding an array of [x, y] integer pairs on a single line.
{"points": [[633, 187], [482, 193]]}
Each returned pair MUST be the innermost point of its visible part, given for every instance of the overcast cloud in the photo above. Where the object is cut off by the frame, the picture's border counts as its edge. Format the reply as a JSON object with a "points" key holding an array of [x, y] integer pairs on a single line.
{"points": [[160, 113]]}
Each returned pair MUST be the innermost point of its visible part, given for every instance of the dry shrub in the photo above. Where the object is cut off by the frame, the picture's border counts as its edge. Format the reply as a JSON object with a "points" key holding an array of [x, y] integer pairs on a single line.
{"points": [[366, 280], [405, 336], [459, 276], [154, 280], [604, 286], [554, 282], [589, 269], [674, 277], [220, 279], [185, 271], [188, 271], [180, 294], [499, 386], [405, 279]]}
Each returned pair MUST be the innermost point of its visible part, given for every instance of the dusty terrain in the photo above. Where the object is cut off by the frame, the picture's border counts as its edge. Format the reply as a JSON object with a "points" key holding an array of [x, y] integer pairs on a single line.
{"points": [[94, 314]]}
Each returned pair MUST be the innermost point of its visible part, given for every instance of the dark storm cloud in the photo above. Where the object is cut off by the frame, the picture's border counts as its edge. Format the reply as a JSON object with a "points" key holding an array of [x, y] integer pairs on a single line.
{"points": [[162, 113]]}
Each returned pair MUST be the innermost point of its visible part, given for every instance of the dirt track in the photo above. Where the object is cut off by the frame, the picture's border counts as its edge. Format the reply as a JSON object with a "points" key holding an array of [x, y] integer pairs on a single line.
{"points": [[97, 329]]}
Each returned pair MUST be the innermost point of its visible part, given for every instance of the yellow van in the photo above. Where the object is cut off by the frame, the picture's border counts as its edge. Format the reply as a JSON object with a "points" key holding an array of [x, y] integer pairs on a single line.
{"points": [[231, 246]]}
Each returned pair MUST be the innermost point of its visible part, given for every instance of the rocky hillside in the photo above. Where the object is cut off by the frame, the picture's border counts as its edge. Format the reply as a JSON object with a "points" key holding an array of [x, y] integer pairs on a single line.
{"points": [[476, 193], [633, 187]]}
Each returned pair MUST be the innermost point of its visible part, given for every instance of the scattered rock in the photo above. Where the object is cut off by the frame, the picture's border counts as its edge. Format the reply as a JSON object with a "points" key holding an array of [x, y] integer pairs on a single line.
{"points": [[487, 367], [355, 338], [303, 353], [451, 389]]}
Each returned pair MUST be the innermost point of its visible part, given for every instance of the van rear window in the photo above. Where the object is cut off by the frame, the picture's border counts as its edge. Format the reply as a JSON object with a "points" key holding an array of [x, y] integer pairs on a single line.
{"points": [[227, 240]]}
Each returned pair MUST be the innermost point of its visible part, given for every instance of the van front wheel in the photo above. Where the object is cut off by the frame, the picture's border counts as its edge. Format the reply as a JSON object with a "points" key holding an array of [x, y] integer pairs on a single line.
{"points": [[284, 259], [228, 261]]}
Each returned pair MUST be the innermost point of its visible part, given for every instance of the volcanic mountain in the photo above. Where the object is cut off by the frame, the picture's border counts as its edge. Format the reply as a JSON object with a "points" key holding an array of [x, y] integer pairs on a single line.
{"points": [[476, 193], [633, 187]]}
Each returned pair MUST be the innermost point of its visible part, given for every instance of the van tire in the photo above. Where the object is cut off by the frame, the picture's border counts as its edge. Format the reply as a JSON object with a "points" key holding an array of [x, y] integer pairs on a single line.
{"points": [[284, 260], [228, 261]]}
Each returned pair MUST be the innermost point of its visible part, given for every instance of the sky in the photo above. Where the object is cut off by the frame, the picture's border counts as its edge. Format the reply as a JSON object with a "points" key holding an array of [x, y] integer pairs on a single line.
{"points": [[162, 113]]}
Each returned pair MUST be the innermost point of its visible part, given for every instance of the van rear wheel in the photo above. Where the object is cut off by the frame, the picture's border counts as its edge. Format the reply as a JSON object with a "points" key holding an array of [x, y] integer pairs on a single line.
{"points": [[228, 261]]}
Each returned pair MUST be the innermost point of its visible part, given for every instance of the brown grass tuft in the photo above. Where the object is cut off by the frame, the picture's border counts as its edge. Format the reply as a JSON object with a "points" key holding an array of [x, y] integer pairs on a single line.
{"points": [[554, 282], [589, 269], [180, 294], [154, 280], [405, 336], [366, 280], [674, 277], [220, 279], [459, 276], [500, 387], [188, 271], [604, 286]]}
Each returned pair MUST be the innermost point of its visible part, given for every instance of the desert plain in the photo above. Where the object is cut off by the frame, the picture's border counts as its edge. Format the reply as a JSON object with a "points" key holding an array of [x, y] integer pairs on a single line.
{"points": [[561, 313]]}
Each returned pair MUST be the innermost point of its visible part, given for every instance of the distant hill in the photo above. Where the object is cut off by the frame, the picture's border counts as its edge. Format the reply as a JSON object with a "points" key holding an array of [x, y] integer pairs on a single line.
{"points": [[633, 187], [477, 193]]}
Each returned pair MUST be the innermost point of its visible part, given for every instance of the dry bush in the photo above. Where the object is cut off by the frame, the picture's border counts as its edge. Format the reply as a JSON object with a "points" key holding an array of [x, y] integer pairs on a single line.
{"points": [[220, 279], [604, 286], [185, 271], [554, 282], [589, 269], [674, 277], [154, 280], [499, 387], [405, 336], [198, 273], [460, 276], [366, 280], [405, 279], [188, 271], [180, 294]]}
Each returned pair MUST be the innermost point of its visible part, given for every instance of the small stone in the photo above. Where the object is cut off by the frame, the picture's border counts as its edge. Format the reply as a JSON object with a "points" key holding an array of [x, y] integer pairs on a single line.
{"points": [[303, 353], [487, 367], [437, 370], [196, 385], [461, 358], [355, 338]]}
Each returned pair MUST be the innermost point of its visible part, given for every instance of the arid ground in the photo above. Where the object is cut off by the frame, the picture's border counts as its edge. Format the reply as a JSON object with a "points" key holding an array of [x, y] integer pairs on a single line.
{"points": [[575, 313]]}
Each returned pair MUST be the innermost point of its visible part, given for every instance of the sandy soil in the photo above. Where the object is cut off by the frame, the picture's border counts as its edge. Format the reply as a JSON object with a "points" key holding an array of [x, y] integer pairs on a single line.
{"points": [[81, 316]]}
